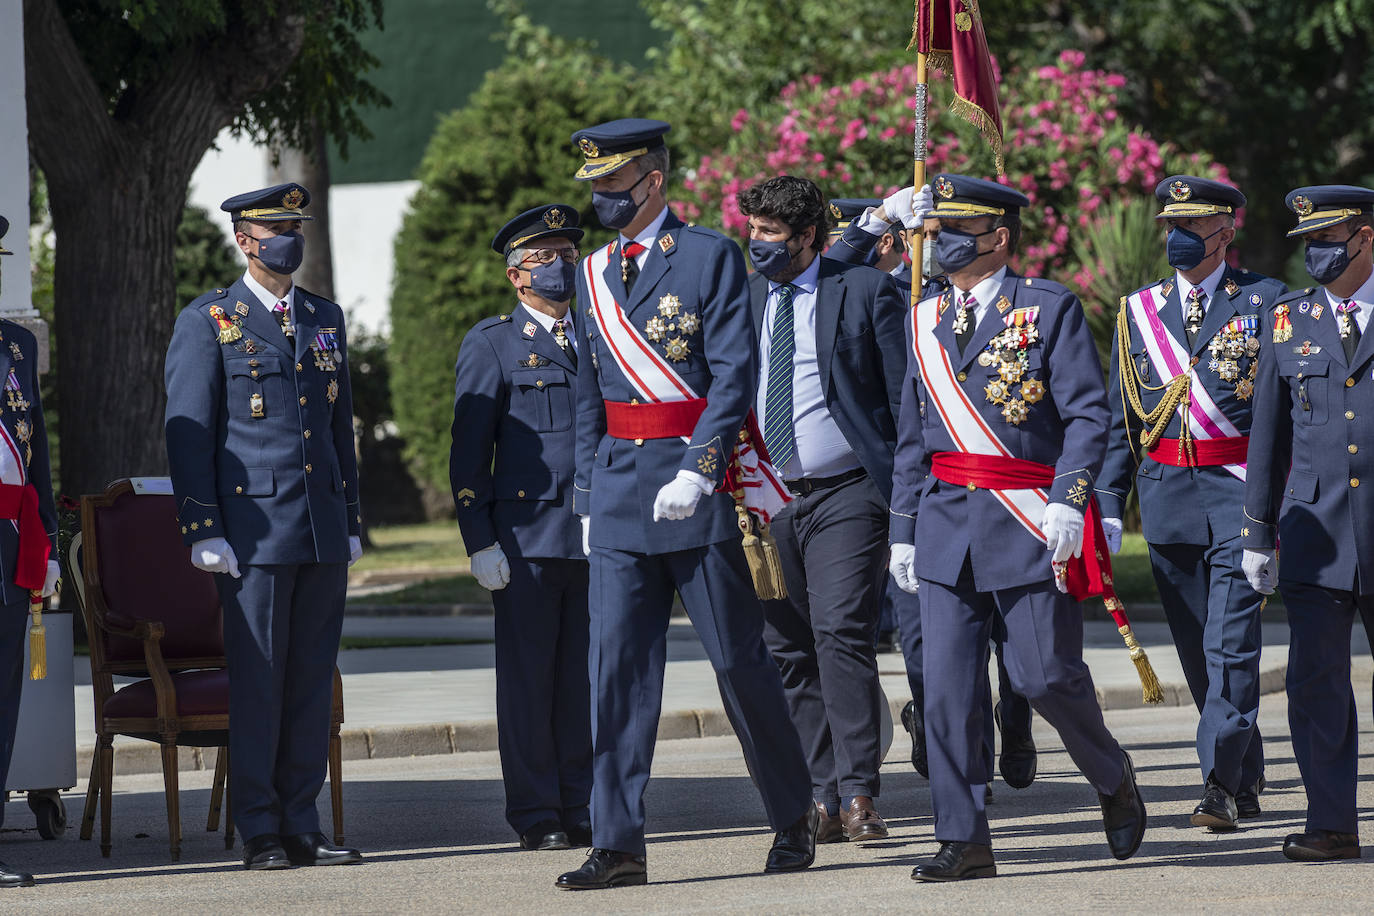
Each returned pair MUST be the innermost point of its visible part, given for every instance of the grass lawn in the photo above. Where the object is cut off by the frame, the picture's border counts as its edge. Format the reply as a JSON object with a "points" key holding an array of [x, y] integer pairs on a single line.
{"points": [[402, 546], [445, 590]]}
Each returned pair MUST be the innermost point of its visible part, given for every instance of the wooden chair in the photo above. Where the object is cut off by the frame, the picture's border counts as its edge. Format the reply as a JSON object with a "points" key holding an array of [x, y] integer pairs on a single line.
{"points": [[153, 616]]}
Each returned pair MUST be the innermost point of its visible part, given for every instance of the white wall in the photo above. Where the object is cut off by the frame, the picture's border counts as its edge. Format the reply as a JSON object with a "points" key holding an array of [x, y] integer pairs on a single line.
{"points": [[16, 284]]}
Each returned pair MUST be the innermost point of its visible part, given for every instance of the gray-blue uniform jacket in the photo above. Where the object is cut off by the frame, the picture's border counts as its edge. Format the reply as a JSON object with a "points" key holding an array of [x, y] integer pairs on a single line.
{"points": [[516, 394], [1314, 412], [688, 271], [260, 428], [21, 412], [1065, 428], [855, 246], [1173, 498]]}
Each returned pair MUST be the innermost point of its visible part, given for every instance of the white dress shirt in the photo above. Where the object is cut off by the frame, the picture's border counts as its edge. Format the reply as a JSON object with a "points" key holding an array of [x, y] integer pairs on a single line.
{"points": [[268, 300], [646, 237], [1364, 296], [821, 449], [1207, 286], [546, 322], [984, 293]]}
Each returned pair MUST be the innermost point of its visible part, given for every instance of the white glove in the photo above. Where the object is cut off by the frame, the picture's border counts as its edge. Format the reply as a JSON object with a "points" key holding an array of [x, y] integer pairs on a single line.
{"points": [[50, 580], [921, 205], [355, 548], [1063, 527], [214, 555], [678, 497], [897, 206], [1111, 527], [586, 535], [490, 567], [902, 566], [1260, 569]]}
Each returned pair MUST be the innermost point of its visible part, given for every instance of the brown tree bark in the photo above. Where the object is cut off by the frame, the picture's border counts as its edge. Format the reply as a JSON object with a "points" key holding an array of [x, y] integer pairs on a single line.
{"points": [[117, 185], [311, 168]]}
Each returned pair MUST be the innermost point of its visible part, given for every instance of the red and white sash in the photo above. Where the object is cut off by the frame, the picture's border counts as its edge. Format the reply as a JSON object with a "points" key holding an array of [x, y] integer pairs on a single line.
{"points": [[657, 382], [1205, 419], [968, 429], [12, 469]]}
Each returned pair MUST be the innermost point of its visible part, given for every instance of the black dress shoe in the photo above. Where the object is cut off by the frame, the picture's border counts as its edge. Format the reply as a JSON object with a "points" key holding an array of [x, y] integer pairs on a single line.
{"points": [[1321, 846], [264, 852], [579, 835], [795, 847], [915, 726], [1217, 810], [605, 868], [1247, 799], [314, 849], [1123, 814], [546, 835], [957, 862], [10, 877], [1018, 761]]}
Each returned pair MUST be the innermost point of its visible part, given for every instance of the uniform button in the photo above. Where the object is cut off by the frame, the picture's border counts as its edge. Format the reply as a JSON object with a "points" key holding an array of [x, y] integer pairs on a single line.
{"points": [[306, 434], [308, 469], [238, 489], [972, 487], [299, 367], [963, 376], [1299, 375], [1352, 448], [1350, 383], [1350, 414], [302, 399], [539, 384], [520, 493], [1354, 481], [254, 373]]}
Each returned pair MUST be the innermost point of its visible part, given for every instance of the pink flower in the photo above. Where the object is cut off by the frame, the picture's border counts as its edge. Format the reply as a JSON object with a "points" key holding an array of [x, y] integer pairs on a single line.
{"points": [[740, 119]]}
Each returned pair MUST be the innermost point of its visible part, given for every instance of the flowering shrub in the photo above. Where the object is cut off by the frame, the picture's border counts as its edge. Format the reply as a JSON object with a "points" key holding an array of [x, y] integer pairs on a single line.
{"points": [[1065, 144]]}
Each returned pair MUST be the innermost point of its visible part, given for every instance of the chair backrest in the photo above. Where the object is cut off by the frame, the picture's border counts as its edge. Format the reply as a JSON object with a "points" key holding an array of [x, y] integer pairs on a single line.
{"points": [[136, 565]]}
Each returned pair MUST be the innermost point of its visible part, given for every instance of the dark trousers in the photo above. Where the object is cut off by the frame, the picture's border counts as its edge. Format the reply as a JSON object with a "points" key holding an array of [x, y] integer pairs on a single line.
{"points": [[14, 629], [1321, 700], [1044, 658], [543, 701], [281, 634], [629, 601], [1214, 616], [833, 547]]}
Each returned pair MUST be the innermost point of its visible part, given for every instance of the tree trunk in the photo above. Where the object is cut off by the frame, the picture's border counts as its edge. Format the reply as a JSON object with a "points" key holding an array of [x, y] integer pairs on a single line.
{"points": [[311, 168]]}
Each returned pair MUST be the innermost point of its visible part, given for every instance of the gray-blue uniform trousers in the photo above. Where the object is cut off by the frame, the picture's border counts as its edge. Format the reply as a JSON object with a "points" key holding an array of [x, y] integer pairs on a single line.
{"points": [[637, 563], [19, 352], [975, 561], [511, 470], [854, 247], [832, 540], [283, 489], [1308, 492], [1188, 517]]}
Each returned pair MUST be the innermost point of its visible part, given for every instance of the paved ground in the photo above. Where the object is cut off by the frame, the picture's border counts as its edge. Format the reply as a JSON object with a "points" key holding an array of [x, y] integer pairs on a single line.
{"points": [[436, 842]]}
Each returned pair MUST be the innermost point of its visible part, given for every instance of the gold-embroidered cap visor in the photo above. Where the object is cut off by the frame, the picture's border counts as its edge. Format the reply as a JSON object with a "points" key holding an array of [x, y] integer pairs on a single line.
{"points": [[601, 166], [1320, 219], [963, 209], [271, 214], [1192, 209]]}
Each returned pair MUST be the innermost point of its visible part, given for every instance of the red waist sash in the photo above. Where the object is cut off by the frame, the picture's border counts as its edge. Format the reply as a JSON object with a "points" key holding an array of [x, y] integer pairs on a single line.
{"points": [[653, 421], [20, 503], [1204, 452]]}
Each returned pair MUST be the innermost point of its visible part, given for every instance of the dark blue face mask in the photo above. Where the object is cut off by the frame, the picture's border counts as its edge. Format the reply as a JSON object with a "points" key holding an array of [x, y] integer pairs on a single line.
{"points": [[555, 281], [1185, 249], [1326, 261], [770, 258], [617, 209], [955, 250], [282, 254]]}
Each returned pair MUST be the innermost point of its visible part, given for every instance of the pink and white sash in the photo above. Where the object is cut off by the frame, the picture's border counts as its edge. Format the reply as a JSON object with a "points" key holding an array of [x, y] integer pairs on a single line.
{"points": [[1169, 357], [970, 432], [657, 382]]}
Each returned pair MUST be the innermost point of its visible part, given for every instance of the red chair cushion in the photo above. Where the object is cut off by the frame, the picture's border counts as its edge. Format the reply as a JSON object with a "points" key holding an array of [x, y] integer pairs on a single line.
{"points": [[199, 693]]}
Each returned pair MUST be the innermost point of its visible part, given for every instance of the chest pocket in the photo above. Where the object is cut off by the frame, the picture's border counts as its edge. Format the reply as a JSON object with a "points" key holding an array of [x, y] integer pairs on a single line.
{"points": [[542, 398], [257, 388], [1308, 384]]}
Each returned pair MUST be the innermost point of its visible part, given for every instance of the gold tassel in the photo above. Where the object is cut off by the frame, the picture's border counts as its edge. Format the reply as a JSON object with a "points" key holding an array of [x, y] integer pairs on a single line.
{"points": [[761, 552], [38, 638], [1150, 690]]}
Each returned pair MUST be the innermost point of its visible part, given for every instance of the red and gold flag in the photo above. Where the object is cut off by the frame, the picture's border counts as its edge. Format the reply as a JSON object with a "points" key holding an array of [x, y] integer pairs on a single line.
{"points": [[951, 33]]}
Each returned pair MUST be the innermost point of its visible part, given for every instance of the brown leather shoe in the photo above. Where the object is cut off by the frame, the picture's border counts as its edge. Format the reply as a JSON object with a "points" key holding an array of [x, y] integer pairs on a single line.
{"points": [[861, 821], [831, 829]]}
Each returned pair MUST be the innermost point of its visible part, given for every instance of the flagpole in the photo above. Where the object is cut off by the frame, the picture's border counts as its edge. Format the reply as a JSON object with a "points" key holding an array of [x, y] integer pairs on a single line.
{"points": [[915, 238]]}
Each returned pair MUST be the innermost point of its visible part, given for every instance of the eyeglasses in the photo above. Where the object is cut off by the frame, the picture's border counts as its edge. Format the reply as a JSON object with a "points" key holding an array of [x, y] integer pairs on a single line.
{"points": [[549, 255]]}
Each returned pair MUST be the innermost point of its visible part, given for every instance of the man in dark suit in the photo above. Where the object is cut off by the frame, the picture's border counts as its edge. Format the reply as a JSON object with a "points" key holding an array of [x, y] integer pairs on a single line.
{"points": [[672, 373], [1003, 426], [28, 536], [511, 471], [831, 367], [1196, 331], [1308, 488], [260, 442]]}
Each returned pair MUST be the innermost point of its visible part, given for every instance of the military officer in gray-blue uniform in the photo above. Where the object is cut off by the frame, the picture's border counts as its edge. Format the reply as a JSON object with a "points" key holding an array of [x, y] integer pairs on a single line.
{"points": [[260, 442], [1002, 431], [864, 233], [511, 470], [1309, 516], [1194, 336], [668, 375], [23, 467]]}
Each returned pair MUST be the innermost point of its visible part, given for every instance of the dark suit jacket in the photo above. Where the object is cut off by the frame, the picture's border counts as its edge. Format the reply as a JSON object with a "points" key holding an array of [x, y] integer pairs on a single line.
{"points": [[860, 344]]}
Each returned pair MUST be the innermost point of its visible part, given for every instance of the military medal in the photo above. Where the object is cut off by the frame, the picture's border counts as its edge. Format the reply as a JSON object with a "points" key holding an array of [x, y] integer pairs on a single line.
{"points": [[331, 391], [255, 405], [677, 349], [241, 308], [24, 432], [1283, 325], [15, 351], [1317, 309], [671, 320], [228, 330], [326, 347], [1231, 288], [14, 395], [529, 329]]}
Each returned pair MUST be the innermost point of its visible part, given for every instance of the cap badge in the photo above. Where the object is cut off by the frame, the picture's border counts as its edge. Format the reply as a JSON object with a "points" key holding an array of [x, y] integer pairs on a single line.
{"points": [[293, 199], [835, 212], [589, 149], [944, 187], [554, 218], [1302, 206], [1180, 190]]}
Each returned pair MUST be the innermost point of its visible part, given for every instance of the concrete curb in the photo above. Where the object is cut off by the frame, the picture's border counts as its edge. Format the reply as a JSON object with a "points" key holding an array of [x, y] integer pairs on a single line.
{"points": [[480, 735]]}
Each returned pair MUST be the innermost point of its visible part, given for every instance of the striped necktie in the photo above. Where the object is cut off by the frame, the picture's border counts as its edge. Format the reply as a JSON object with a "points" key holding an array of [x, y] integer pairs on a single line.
{"points": [[777, 405]]}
